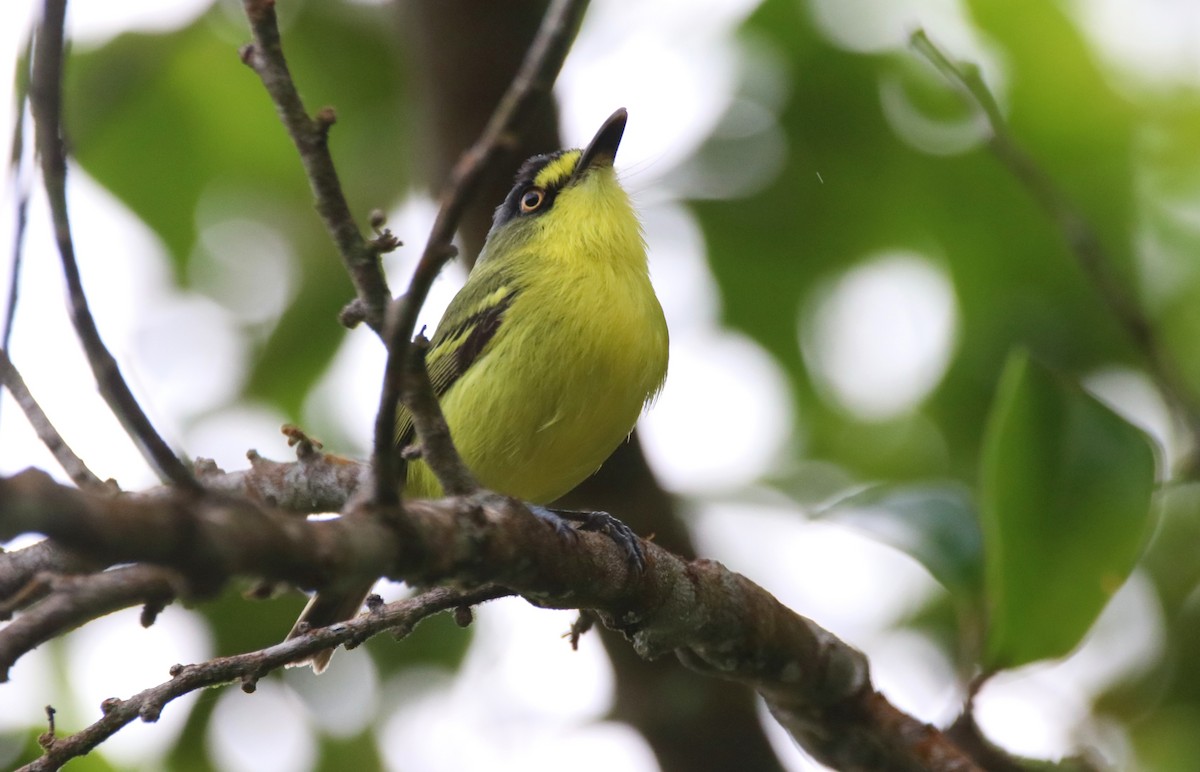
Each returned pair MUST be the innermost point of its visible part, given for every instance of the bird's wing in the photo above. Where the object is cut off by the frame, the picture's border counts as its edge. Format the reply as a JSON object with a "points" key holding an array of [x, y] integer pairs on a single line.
{"points": [[470, 323]]}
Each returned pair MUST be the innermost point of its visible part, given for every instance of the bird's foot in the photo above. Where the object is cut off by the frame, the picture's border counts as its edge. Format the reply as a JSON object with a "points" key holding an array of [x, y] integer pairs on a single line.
{"points": [[600, 522]]}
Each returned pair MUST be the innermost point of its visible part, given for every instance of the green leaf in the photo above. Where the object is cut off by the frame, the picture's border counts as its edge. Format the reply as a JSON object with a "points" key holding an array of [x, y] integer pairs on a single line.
{"points": [[1065, 506], [935, 523]]}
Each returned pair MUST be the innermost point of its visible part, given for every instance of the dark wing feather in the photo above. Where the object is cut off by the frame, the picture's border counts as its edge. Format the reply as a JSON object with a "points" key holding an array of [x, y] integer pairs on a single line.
{"points": [[455, 347]]}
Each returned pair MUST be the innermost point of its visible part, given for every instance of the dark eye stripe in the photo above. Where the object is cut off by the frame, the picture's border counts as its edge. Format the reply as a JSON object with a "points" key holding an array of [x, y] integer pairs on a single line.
{"points": [[513, 205]]}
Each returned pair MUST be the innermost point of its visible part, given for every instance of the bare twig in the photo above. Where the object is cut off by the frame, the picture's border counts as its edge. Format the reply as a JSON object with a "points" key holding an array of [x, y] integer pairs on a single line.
{"points": [[46, 102], [400, 617], [311, 137], [22, 175], [14, 271], [535, 78], [437, 446], [716, 621], [18, 568], [71, 601], [1079, 234], [72, 464]]}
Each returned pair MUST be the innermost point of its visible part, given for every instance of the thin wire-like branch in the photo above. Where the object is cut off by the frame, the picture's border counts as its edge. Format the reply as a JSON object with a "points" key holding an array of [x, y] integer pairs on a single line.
{"points": [[400, 617], [71, 601], [311, 137], [1079, 234], [46, 102], [22, 175], [535, 78], [14, 271], [72, 464], [717, 622]]}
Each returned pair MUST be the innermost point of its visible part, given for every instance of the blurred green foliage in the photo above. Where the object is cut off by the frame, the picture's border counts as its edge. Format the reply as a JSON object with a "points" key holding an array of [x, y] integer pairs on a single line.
{"points": [[852, 188], [182, 132]]}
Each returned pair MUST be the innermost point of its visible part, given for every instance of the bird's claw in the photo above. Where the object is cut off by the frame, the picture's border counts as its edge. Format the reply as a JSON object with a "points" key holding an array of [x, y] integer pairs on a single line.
{"points": [[599, 522]]}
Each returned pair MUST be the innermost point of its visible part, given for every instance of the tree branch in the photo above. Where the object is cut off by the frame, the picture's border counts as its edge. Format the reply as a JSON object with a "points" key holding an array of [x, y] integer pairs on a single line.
{"points": [[1078, 233], [400, 617], [311, 137], [20, 568], [72, 601], [535, 78], [315, 482], [716, 621], [46, 102]]}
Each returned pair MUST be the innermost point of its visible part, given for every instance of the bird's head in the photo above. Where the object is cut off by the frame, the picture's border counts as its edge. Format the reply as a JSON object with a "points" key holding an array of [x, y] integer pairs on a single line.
{"points": [[570, 204]]}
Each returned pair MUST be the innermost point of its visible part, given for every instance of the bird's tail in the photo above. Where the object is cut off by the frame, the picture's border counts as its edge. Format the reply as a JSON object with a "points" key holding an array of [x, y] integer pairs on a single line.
{"points": [[324, 609]]}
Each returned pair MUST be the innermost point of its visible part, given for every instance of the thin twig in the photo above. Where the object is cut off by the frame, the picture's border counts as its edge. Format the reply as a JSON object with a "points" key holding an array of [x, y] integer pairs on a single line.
{"points": [[401, 617], [18, 568], [1076, 230], [71, 601], [437, 446], [14, 271], [311, 137], [72, 464], [46, 101], [535, 78], [21, 185]]}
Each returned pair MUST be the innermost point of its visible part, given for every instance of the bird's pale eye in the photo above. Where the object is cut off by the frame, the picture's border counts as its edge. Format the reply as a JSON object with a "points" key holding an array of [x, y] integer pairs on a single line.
{"points": [[532, 200]]}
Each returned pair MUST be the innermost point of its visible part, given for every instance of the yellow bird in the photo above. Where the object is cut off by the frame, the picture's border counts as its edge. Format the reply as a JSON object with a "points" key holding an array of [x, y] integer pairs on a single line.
{"points": [[545, 359]]}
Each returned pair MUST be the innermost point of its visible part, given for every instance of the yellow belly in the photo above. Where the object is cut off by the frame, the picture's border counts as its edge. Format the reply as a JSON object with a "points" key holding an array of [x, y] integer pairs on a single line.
{"points": [[551, 399]]}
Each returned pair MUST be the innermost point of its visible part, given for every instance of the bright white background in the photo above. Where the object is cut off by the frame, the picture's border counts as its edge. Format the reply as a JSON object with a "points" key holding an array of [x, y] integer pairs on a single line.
{"points": [[878, 341]]}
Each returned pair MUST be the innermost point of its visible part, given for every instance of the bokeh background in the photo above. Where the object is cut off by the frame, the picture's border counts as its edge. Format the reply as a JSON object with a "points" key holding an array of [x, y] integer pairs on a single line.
{"points": [[845, 270]]}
